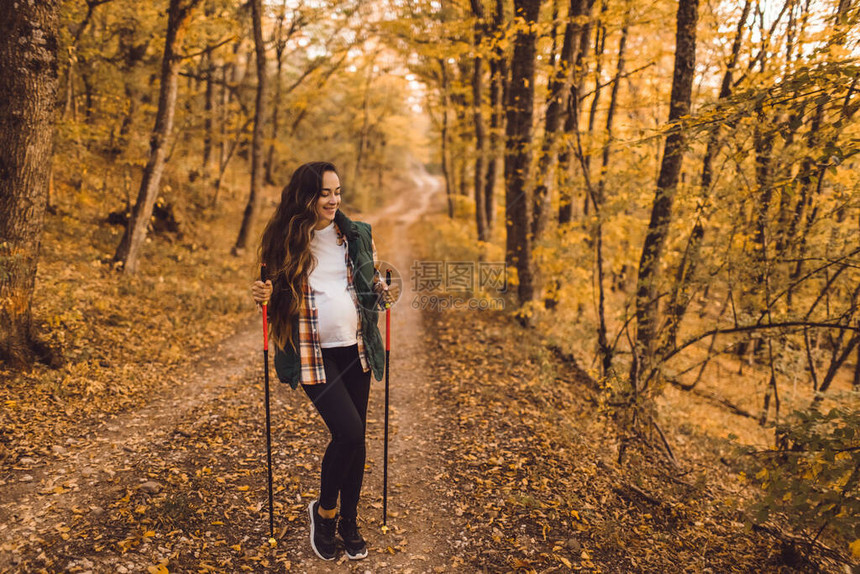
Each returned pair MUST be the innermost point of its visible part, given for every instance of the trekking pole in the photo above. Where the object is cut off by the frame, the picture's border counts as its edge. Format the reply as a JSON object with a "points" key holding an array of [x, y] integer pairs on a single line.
{"points": [[268, 415], [385, 439]]}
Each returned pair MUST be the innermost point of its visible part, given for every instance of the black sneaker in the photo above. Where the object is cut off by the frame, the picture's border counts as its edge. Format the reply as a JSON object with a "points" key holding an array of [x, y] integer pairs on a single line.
{"points": [[322, 533], [356, 548]]}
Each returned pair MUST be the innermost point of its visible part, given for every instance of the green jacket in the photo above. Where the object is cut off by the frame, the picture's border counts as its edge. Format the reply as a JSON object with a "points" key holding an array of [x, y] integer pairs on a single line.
{"points": [[360, 248]]}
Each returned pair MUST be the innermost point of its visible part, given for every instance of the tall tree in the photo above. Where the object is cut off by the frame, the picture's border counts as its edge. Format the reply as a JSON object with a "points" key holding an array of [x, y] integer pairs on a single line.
{"points": [[811, 176], [444, 90], [558, 91], [680, 298], [363, 140], [571, 120], [518, 156], [478, 115], [498, 78], [667, 185], [128, 251], [461, 135], [68, 99], [281, 39], [599, 50], [207, 69], [28, 82], [599, 201], [253, 205]]}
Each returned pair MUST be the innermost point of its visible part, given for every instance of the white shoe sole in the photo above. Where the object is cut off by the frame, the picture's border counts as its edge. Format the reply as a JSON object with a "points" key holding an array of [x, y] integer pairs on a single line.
{"points": [[311, 516], [357, 556]]}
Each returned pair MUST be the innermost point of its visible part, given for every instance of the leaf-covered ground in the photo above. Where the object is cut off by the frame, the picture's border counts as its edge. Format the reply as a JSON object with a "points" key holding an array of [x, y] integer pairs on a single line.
{"points": [[169, 475], [513, 469], [145, 453], [536, 468], [182, 487], [121, 338]]}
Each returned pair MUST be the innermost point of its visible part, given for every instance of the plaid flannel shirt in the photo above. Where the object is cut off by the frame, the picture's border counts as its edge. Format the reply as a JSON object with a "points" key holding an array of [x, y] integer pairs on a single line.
{"points": [[310, 351]]}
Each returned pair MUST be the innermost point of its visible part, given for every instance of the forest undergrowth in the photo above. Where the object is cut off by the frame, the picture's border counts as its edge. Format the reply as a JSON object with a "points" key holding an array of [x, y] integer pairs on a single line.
{"points": [[120, 338], [576, 485], [546, 490]]}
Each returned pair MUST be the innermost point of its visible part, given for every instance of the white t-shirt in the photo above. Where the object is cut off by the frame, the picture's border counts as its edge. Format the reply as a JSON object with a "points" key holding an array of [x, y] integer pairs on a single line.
{"points": [[336, 312]]}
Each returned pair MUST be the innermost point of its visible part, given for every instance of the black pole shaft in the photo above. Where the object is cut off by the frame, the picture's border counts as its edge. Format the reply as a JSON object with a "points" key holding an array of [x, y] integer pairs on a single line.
{"points": [[385, 449], [385, 438], [269, 446], [268, 410]]}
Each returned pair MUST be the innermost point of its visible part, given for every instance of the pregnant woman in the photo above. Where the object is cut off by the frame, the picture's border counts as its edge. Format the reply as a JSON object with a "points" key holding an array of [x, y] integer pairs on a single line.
{"points": [[323, 295]]}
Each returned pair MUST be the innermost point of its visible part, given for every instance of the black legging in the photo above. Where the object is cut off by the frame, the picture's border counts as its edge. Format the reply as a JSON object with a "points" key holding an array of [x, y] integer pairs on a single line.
{"points": [[342, 403]]}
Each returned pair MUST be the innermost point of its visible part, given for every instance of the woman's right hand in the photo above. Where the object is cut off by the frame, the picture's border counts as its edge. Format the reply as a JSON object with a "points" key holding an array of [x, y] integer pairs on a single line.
{"points": [[261, 292]]}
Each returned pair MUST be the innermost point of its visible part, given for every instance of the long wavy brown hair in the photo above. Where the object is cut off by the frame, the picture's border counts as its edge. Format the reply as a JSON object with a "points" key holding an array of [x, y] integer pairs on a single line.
{"points": [[285, 248]]}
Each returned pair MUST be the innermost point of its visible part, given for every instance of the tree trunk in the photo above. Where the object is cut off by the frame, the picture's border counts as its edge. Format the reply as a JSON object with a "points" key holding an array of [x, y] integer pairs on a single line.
{"points": [[763, 144], [223, 119], [518, 157], [28, 82], [498, 74], [610, 115], [839, 356], [496, 120], [446, 168], [811, 175], [229, 151], [558, 91], [599, 201], [571, 122], [209, 70], [725, 92], [364, 133], [280, 46], [680, 299], [253, 206], [128, 251], [462, 185], [667, 183], [478, 118], [68, 101], [599, 48], [461, 140]]}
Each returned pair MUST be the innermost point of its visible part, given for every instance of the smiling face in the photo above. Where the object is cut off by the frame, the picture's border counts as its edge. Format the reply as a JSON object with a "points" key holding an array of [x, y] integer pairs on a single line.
{"points": [[329, 199]]}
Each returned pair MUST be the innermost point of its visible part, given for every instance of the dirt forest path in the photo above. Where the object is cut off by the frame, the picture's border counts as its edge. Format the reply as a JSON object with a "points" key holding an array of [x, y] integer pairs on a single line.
{"points": [[178, 484]]}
